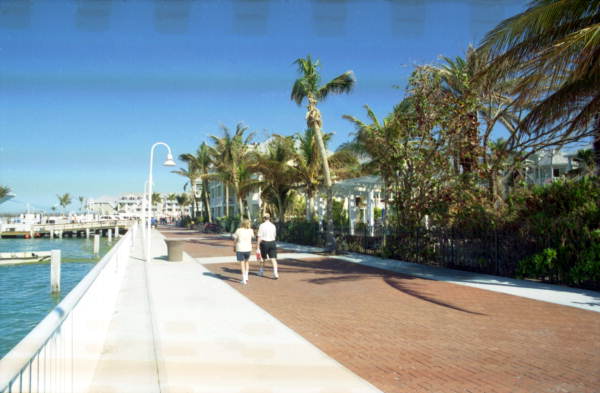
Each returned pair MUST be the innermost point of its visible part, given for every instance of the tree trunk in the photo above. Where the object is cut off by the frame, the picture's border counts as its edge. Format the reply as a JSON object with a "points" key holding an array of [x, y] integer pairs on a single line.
{"points": [[226, 200], [193, 195], [314, 121], [206, 198], [596, 146], [468, 152]]}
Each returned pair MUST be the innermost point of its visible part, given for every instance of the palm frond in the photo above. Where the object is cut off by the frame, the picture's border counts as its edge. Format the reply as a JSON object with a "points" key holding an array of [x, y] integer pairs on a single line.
{"points": [[340, 84]]}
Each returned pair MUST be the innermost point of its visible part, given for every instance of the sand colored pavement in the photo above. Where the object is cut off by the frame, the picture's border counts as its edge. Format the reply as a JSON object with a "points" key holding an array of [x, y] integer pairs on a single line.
{"points": [[178, 329]]}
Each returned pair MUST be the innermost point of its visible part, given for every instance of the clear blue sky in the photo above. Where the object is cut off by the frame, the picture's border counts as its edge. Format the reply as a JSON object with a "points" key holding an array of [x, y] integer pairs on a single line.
{"points": [[86, 87]]}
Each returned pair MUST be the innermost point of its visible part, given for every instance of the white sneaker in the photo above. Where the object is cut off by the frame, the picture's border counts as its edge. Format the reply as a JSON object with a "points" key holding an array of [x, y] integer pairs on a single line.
{"points": [[243, 282]]}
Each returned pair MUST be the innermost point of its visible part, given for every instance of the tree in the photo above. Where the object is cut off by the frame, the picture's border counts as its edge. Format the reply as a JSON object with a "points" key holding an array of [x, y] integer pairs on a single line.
{"points": [[204, 163], [192, 173], [230, 156], [81, 200], [156, 198], [183, 200], [64, 200], [553, 49], [4, 191], [279, 177], [308, 88]]}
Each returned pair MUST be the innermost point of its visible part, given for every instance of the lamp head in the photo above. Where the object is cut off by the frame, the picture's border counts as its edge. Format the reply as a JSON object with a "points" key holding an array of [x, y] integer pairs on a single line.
{"points": [[169, 161]]}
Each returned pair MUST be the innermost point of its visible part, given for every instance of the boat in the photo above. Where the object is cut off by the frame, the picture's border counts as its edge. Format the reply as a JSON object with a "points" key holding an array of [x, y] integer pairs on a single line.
{"points": [[16, 258]]}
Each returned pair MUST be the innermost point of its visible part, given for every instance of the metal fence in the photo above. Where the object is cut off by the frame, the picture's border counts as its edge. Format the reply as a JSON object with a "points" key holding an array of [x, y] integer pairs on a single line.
{"points": [[60, 353], [489, 251]]}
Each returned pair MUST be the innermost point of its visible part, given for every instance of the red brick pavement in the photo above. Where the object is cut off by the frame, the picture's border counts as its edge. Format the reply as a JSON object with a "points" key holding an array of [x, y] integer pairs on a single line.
{"points": [[405, 334]]}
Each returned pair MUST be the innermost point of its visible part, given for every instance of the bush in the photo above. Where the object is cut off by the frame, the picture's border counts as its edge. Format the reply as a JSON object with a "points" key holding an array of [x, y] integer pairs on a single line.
{"points": [[563, 219]]}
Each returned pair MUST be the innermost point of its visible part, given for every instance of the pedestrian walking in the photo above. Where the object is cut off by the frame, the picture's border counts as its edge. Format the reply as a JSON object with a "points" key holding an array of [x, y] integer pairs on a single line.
{"points": [[242, 246], [267, 234]]}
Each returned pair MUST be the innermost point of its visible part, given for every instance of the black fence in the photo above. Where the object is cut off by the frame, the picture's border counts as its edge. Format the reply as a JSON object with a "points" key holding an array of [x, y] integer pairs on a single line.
{"points": [[486, 251]]}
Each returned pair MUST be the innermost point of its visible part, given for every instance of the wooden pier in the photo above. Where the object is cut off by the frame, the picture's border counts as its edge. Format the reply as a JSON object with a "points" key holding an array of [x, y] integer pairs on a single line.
{"points": [[83, 229]]}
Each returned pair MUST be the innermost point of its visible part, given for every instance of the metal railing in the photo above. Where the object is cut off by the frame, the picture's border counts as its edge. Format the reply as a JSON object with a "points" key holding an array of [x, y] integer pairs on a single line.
{"points": [[60, 354]]}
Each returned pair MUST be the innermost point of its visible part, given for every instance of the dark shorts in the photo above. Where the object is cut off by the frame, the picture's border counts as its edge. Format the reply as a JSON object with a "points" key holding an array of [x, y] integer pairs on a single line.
{"points": [[243, 255], [268, 250]]}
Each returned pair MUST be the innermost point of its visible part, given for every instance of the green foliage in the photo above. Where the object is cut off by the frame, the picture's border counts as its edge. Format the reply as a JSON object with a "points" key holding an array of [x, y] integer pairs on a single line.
{"points": [[301, 232], [340, 216], [563, 220]]}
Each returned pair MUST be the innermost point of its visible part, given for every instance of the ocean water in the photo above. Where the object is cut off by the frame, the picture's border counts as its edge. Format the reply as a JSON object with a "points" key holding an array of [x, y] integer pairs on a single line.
{"points": [[25, 297]]}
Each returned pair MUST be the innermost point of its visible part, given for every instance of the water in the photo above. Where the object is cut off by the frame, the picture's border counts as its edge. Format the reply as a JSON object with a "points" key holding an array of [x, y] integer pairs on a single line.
{"points": [[25, 297]]}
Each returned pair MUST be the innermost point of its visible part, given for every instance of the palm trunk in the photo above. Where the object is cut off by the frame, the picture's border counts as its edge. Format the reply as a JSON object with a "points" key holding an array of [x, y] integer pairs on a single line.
{"points": [[226, 200], [596, 145], [385, 215], [193, 194], [314, 121], [206, 199]]}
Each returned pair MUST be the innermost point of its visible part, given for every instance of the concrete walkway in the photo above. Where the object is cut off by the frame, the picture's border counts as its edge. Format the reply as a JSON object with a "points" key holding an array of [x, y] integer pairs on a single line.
{"points": [[177, 329]]}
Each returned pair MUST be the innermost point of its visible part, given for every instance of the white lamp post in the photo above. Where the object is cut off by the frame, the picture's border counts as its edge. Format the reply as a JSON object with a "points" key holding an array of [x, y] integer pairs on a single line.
{"points": [[168, 162]]}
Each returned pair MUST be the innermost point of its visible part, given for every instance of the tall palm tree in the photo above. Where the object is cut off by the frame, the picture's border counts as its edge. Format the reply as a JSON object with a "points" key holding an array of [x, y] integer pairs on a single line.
{"points": [[204, 163], [230, 156], [64, 200], [308, 87], [553, 47], [81, 200]]}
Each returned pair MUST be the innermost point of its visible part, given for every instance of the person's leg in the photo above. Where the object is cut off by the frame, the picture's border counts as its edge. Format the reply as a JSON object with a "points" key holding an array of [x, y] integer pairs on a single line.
{"points": [[274, 263], [261, 261], [245, 269]]}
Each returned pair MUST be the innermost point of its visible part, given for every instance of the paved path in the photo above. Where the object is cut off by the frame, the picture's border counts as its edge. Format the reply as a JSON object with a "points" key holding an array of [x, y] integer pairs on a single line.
{"points": [[177, 329], [404, 333]]}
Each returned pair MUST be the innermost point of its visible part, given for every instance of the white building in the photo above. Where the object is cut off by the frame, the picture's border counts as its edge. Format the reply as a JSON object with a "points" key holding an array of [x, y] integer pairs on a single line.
{"points": [[133, 205]]}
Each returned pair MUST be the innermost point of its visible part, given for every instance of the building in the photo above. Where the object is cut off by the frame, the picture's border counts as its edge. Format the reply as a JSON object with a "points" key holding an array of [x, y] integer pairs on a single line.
{"points": [[133, 205]]}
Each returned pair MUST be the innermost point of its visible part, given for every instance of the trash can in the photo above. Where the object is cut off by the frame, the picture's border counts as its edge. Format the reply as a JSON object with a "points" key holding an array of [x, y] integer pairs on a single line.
{"points": [[175, 250]]}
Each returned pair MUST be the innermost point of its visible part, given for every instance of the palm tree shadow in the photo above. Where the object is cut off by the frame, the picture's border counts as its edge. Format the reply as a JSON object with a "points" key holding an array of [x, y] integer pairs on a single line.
{"points": [[397, 282], [340, 271]]}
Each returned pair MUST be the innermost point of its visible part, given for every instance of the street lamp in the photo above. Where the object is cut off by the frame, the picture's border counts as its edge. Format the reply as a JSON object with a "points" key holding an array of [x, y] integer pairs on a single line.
{"points": [[168, 162]]}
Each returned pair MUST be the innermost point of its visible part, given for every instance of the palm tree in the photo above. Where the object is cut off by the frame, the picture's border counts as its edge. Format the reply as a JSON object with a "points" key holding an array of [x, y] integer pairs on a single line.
{"points": [[192, 173], [182, 200], [156, 198], [586, 164], [4, 191], [553, 48], [64, 200], [309, 168], [204, 163], [369, 144], [230, 156], [279, 177], [81, 200], [308, 88]]}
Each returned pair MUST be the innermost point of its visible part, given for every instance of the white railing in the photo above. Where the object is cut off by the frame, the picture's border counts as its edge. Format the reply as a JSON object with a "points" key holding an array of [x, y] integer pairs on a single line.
{"points": [[60, 354]]}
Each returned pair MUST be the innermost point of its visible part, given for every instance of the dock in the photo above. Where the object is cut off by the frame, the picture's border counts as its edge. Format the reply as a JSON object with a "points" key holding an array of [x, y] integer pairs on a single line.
{"points": [[80, 229]]}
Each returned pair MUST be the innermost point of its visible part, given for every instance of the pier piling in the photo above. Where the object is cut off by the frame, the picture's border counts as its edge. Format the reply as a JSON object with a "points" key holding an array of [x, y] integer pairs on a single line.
{"points": [[55, 271], [96, 244]]}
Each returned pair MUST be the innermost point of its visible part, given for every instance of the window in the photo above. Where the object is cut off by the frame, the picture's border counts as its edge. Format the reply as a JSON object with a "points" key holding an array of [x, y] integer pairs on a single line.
{"points": [[555, 172]]}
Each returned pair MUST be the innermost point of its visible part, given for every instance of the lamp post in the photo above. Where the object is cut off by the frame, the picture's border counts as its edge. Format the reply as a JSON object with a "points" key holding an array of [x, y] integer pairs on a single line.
{"points": [[168, 162]]}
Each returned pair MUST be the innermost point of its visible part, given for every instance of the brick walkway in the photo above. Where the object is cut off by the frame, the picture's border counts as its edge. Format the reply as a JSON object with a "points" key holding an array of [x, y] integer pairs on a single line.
{"points": [[405, 334]]}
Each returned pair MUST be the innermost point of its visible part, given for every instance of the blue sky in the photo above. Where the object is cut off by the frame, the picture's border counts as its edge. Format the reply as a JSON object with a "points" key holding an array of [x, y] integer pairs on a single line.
{"points": [[86, 87]]}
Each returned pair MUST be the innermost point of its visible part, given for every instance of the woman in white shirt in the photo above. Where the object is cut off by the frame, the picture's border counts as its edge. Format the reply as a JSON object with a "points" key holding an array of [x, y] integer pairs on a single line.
{"points": [[242, 245]]}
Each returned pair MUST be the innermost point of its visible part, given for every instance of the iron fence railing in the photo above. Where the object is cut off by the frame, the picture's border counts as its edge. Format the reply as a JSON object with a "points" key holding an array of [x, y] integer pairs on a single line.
{"points": [[491, 251]]}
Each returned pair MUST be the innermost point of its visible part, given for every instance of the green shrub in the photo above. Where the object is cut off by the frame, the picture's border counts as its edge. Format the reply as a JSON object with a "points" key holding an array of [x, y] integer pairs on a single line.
{"points": [[563, 220]]}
